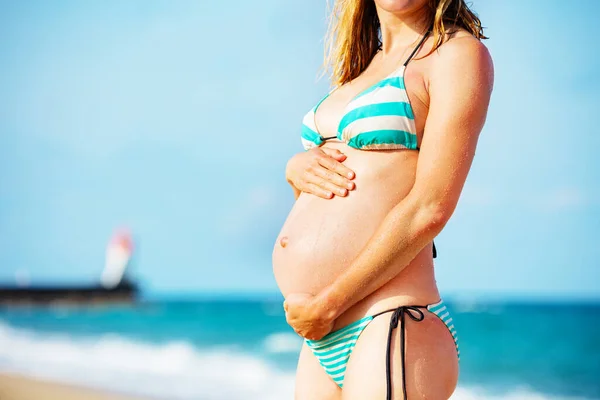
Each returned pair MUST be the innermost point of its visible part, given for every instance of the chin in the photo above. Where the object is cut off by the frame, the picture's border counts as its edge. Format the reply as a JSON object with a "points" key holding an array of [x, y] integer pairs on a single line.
{"points": [[400, 6]]}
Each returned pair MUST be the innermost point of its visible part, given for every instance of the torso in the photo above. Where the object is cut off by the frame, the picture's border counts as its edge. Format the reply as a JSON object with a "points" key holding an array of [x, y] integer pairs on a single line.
{"points": [[322, 236]]}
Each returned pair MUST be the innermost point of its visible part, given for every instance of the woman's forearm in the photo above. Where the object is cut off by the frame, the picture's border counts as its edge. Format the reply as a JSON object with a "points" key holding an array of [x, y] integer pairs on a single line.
{"points": [[405, 231]]}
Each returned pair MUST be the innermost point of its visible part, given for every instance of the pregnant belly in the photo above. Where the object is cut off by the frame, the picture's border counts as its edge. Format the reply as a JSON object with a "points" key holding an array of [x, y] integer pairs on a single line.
{"points": [[320, 237]]}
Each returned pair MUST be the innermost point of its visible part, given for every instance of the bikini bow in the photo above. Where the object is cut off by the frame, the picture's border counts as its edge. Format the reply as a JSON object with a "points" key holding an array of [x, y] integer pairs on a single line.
{"points": [[398, 315]]}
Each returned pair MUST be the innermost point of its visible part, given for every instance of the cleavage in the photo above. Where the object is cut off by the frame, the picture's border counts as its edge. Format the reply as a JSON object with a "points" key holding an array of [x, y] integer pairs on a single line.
{"points": [[331, 111]]}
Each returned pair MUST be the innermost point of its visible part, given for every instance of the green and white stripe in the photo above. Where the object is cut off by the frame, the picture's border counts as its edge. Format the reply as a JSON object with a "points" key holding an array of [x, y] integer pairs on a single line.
{"points": [[333, 351], [380, 117], [442, 312]]}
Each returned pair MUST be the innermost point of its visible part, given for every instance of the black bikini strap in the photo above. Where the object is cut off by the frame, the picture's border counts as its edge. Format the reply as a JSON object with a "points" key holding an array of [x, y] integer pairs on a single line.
{"points": [[394, 309], [399, 314], [417, 47]]}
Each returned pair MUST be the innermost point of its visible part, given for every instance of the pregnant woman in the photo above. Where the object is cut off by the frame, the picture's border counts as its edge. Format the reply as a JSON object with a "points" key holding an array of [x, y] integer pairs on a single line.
{"points": [[387, 154]]}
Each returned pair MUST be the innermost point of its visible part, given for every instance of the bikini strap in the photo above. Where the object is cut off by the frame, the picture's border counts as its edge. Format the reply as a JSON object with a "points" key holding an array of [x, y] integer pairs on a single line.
{"points": [[399, 316], [395, 309], [418, 46]]}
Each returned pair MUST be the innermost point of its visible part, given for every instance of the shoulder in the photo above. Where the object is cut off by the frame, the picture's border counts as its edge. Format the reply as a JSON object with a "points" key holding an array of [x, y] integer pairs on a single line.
{"points": [[462, 55]]}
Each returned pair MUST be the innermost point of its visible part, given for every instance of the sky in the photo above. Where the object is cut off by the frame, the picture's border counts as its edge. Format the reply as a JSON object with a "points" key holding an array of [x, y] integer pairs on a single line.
{"points": [[176, 118]]}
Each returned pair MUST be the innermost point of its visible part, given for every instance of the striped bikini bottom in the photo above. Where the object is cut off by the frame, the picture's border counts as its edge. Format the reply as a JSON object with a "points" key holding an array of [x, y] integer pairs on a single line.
{"points": [[333, 350]]}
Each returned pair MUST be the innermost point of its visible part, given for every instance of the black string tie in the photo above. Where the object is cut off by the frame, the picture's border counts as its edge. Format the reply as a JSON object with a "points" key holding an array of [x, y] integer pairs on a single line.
{"points": [[399, 315]]}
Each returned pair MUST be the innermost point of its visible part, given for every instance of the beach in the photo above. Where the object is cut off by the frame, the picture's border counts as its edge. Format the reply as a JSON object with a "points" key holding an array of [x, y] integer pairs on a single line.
{"points": [[14, 387]]}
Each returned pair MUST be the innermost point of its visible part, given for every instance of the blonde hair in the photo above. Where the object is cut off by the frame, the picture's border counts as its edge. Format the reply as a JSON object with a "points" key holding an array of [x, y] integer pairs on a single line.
{"points": [[353, 35]]}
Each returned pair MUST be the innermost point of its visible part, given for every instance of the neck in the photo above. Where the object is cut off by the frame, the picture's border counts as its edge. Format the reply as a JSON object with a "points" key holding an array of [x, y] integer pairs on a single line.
{"points": [[401, 30]]}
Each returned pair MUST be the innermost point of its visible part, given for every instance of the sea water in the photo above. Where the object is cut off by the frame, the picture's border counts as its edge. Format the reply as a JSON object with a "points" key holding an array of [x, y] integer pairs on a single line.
{"points": [[243, 349]]}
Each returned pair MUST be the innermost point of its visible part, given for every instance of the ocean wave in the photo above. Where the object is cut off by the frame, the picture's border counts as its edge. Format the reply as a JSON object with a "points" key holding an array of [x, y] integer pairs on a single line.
{"points": [[282, 343], [175, 371], [481, 393]]}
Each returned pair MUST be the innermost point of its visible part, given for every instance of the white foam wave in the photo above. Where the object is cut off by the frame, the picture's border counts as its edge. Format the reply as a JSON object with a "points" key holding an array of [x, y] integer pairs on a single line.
{"points": [[174, 371], [283, 343], [517, 394]]}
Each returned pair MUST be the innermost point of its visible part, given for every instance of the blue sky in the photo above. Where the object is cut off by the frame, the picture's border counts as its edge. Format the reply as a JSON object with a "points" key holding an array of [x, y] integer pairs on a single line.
{"points": [[177, 118]]}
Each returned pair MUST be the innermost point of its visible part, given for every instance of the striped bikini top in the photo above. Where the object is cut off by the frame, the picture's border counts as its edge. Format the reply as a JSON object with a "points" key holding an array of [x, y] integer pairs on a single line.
{"points": [[378, 118]]}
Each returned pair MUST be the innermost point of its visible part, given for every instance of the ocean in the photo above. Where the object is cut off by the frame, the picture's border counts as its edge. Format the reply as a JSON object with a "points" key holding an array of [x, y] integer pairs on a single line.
{"points": [[243, 349]]}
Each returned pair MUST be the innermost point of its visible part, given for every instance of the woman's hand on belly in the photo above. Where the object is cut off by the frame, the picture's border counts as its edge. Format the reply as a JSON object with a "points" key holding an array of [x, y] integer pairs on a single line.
{"points": [[307, 317], [320, 171]]}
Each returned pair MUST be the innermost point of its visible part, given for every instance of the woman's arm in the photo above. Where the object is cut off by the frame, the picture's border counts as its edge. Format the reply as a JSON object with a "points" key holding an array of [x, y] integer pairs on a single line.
{"points": [[460, 85]]}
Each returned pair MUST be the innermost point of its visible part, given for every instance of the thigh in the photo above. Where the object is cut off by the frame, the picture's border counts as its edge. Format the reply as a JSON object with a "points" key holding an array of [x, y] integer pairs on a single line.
{"points": [[312, 382], [431, 361]]}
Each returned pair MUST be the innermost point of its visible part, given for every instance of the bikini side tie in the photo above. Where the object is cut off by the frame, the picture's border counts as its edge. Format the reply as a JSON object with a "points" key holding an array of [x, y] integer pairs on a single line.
{"points": [[399, 315]]}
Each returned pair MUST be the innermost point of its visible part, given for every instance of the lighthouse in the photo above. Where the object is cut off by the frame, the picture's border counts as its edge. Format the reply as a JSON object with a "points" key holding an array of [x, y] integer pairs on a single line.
{"points": [[118, 256]]}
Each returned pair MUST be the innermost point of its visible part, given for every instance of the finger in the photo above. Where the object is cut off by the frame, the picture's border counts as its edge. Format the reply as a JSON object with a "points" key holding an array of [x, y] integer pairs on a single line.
{"points": [[320, 334], [329, 186], [335, 166], [334, 153], [318, 190], [332, 181]]}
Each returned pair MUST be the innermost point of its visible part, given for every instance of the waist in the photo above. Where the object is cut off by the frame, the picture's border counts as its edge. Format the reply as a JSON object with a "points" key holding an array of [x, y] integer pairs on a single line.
{"points": [[414, 285]]}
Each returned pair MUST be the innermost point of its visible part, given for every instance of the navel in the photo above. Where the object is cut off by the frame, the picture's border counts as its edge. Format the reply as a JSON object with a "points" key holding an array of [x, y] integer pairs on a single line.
{"points": [[283, 241]]}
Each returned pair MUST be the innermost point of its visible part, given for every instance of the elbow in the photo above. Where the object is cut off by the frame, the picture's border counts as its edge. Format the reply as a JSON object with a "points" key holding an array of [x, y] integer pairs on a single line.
{"points": [[434, 216]]}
